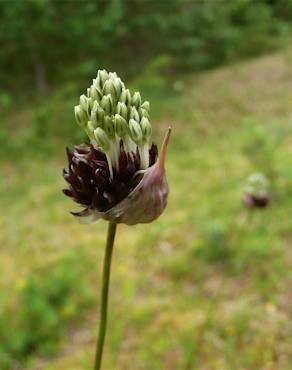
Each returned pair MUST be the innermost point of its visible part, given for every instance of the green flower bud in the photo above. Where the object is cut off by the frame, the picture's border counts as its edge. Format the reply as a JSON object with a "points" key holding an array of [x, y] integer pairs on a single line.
{"points": [[257, 184], [118, 86], [109, 127], [95, 105], [125, 97], [90, 104], [102, 139], [135, 131], [136, 99], [121, 126], [96, 84], [80, 116], [91, 126], [113, 75], [107, 104], [134, 114], [100, 114], [146, 105], [143, 113], [102, 76], [93, 115], [109, 88], [84, 103], [122, 110], [146, 128], [93, 93]]}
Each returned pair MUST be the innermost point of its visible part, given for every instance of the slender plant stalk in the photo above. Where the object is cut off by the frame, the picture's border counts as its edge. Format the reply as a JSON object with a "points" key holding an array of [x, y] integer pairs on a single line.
{"points": [[250, 218], [104, 293]]}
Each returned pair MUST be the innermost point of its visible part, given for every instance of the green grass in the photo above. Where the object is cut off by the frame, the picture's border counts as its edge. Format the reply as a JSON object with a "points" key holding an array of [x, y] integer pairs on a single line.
{"points": [[199, 288]]}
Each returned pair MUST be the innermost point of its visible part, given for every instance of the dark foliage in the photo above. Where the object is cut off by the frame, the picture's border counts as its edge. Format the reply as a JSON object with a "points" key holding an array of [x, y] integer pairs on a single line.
{"points": [[45, 42]]}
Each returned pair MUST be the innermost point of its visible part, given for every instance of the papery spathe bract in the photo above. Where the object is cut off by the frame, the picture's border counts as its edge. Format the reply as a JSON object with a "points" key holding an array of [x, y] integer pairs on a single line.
{"points": [[145, 203]]}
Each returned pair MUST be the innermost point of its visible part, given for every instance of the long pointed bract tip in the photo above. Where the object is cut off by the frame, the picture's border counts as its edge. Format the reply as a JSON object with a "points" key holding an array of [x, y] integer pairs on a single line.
{"points": [[163, 150]]}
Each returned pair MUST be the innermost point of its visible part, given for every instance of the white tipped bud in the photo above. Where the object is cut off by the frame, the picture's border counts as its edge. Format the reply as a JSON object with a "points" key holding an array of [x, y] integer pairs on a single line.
{"points": [[80, 116], [134, 114], [129, 99], [118, 86], [146, 105], [135, 131], [102, 139], [125, 97], [122, 110], [95, 106], [93, 115], [93, 93], [143, 113], [93, 118], [100, 116], [90, 104], [146, 128], [97, 84], [107, 104], [102, 76], [108, 88], [109, 127], [121, 126], [84, 104], [136, 99], [113, 75], [91, 126]]}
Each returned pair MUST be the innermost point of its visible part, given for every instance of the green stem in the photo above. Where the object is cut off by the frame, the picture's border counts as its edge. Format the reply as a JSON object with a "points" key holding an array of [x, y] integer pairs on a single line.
{"points": [[249, 218], [104, 293]]}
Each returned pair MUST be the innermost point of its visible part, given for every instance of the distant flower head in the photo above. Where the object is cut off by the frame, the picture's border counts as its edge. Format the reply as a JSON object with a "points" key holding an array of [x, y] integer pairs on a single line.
{"points": [[256, 191], [116, 176]]}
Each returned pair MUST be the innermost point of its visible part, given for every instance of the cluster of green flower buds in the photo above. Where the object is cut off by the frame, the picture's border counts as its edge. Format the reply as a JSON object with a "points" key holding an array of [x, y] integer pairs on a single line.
{"points": [[109, 114], [257, 185]]}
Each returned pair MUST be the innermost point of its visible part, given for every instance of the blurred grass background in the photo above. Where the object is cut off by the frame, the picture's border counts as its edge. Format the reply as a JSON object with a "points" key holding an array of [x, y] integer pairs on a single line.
{"points": [[202, 287]]}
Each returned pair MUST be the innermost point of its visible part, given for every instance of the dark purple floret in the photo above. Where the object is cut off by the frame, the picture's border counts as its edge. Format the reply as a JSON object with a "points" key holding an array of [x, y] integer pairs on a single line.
{"points": [[252, 201], [89, 179]]}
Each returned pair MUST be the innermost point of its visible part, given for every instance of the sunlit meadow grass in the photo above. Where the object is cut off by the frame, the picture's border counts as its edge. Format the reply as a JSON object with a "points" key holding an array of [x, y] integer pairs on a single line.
{"points": [[201, 287]]}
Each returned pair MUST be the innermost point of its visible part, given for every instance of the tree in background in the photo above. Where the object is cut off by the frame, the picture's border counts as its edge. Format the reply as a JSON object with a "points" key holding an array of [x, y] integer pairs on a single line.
{"points": [[46, 42]]}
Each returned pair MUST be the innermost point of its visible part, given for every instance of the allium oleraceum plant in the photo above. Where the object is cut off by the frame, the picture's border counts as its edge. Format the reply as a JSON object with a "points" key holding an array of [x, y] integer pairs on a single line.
{"points": [[256, 192], [117, 175]]}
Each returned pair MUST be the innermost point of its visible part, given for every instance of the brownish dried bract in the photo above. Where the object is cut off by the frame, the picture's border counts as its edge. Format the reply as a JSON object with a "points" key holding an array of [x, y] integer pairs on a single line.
{"points": [[148, 200], [124, 199]]}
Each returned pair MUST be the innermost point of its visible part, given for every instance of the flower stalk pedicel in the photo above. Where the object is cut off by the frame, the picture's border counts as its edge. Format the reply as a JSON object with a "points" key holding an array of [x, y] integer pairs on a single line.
{"points": [[117, 176]]}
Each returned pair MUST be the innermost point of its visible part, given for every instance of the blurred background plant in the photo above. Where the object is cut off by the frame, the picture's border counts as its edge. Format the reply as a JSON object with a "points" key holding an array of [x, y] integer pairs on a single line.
{"points": [[46, 301], [196, 34], [214, 293]]}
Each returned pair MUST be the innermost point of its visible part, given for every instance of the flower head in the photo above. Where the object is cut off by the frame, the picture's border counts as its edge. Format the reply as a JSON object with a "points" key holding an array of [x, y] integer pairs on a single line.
{"points": [[256, 192], [116, 176]]}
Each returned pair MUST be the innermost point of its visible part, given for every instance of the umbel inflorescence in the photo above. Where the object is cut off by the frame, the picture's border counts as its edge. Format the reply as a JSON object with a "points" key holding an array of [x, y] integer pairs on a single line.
{"points": [[116, 175], [256, 192]]}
